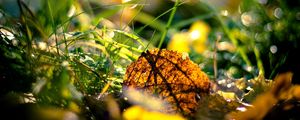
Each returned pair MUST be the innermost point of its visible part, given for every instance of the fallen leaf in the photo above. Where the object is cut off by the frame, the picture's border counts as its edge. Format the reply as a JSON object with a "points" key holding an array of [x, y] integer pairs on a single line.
{"points": [[172, 76], [139, 113]]}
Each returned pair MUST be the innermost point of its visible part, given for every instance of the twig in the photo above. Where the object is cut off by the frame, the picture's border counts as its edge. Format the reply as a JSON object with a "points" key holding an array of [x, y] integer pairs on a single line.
{"points": [[215, 56]]}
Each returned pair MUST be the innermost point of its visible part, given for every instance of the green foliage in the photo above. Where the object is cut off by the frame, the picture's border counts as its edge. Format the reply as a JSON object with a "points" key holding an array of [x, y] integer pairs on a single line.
{"points": [[13, 63], [41, 54], [62, 51]]}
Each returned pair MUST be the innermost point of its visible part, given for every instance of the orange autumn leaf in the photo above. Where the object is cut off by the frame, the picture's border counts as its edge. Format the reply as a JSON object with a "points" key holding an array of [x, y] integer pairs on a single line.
{"points": [[172, 76]]}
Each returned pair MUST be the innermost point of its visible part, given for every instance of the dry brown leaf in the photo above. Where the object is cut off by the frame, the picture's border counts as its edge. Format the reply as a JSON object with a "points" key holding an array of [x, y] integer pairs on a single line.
{"points": [[170, 75], [215, 107], [267, 100]]}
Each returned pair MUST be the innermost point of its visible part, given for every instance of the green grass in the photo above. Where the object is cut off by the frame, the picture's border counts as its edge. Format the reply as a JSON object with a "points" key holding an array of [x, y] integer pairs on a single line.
{"points": [[62, 59]]}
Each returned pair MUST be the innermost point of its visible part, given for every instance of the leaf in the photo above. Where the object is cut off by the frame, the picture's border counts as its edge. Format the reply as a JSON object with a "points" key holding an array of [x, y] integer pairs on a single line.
{"points": [[267, 100], [131, 35], [260, 85], [139, 113], [170, 75], [215, 107], [180, 42], [145, 100], [195, 39]]}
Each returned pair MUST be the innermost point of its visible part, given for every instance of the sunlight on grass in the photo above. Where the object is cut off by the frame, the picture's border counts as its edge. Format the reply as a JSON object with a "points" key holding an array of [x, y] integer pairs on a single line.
{"points": [[74, 58]]}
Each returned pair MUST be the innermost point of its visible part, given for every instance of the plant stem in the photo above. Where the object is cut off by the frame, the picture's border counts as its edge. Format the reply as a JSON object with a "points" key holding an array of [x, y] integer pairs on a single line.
{"points": [[53, 25], [234, 41], [215, 57], [168, 24]]}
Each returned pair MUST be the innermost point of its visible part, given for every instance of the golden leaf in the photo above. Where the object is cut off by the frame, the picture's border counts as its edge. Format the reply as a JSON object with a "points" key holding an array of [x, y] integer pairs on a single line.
{"points": [[139, 113], [170, 75]]}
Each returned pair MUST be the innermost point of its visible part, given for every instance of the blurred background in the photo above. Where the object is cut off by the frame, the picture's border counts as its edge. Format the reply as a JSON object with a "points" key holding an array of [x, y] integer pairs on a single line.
{"points": [[69, 53]]}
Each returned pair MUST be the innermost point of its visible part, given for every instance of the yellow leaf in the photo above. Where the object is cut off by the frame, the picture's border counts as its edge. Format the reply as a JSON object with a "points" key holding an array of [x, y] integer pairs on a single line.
{"points": [[74, 107], [227, 95], [65, 92], [195, 38], [199, 31], [198, 34], [266, 101], [83, 18], [296, 92], [139, 113], [179, 42]]}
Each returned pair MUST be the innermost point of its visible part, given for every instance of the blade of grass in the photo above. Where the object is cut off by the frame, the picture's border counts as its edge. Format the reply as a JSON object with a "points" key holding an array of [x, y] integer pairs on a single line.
{"points": [[215, 57], [278, 64], [136, 12], [168, 24], [105, 14], [130, 35], [186, 22], [232, 38], [153, 21], [116, 44], [148, 20], [150, 41], [89, 69], [53, 25]]}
